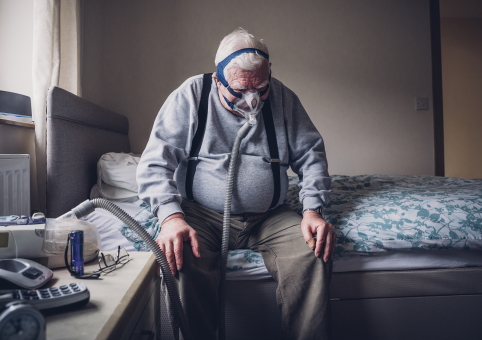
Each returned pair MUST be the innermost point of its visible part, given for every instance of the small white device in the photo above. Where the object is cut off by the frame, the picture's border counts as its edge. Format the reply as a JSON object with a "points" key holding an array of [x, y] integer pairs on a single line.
{"points": [[26, 241], [24, 273]]}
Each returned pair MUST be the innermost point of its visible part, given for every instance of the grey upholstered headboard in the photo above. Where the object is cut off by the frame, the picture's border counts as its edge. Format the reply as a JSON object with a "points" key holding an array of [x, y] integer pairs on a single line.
{"points": [[78, 133]]}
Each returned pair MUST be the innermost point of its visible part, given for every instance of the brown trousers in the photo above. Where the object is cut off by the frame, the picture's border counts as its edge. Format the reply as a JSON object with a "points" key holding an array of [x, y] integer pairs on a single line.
{"points": [[303, 279]]}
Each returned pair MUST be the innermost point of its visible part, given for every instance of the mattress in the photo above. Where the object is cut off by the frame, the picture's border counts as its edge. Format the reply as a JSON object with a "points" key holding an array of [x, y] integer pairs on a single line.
{"points": [[380, 213], [245, 264]]}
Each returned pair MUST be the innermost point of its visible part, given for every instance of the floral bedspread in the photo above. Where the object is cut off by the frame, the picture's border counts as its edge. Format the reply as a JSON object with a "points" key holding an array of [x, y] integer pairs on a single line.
{"points": [[237, 259], [376, 213], [381, 213]]}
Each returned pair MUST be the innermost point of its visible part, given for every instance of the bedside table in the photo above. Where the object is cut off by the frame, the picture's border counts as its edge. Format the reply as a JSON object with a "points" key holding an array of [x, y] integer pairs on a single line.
{"points": [[124, 304]]}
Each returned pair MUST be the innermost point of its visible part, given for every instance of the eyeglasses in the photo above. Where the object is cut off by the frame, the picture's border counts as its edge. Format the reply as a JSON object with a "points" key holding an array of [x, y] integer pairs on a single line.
{"points": [[108, 262]]}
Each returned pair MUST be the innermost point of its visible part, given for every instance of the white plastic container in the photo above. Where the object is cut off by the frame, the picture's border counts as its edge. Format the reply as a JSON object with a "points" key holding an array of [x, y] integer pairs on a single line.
{"points": [[57, 231]]}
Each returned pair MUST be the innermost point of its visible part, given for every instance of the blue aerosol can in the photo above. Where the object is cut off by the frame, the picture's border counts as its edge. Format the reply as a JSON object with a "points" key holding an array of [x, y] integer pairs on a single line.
{"points": [[77, 252]]}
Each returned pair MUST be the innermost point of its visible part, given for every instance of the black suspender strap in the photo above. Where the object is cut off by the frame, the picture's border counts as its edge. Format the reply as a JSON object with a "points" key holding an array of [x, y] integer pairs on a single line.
{"points": [[273, 151], [198, 137]]}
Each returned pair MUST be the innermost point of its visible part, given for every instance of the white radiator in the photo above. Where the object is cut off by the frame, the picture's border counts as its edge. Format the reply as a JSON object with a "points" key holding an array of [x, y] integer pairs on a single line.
{"points": [[14, 185]]}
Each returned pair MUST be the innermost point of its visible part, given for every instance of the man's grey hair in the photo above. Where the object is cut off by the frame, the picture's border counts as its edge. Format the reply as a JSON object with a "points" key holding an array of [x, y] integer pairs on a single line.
{"points": [[239, 39]]}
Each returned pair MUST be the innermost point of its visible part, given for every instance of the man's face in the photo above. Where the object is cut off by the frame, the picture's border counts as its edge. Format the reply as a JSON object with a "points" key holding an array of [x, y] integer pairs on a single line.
{"points": [[242, 81]]}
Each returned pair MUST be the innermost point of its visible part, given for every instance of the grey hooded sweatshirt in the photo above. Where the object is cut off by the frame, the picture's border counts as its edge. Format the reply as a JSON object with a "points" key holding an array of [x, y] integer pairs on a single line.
{"points": [[161, 173]]}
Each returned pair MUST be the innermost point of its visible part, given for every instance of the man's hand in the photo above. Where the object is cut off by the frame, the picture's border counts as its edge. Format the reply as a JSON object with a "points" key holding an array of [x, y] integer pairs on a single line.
{"points": [[313, 223], [174, 232]]}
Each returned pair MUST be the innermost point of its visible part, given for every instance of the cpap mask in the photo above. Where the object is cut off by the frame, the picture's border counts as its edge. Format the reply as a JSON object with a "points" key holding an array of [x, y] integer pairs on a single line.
{"points": [[249, 104]]}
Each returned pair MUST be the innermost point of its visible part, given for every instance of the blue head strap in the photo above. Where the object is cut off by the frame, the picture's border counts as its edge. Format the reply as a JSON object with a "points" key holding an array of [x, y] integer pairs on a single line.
{"points": [[222, 64], [230, 104]]}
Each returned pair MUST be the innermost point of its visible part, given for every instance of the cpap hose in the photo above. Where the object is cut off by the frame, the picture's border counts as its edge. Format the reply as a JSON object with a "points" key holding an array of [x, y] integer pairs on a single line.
{"points": [[87, 207], [242, 132]]}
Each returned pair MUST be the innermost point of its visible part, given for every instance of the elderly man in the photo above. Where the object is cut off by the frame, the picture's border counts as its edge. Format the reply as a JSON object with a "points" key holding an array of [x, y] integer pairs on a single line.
{"points": [[182, 176]]}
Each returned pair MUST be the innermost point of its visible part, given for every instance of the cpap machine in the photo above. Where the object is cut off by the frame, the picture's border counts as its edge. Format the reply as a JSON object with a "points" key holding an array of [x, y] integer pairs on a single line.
{"points": [[43, 240]]}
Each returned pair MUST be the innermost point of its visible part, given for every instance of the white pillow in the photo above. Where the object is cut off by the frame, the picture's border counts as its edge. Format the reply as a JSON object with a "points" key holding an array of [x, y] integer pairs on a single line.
{"points": [[116, 176]]}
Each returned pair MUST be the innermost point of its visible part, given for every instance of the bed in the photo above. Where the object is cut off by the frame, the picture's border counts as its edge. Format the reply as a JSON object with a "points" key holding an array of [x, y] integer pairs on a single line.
{"points": [[408, 262]]}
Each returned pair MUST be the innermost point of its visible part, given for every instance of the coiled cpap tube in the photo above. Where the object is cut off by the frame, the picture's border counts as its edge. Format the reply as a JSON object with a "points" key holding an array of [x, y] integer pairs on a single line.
{"points": [[87, 207]]}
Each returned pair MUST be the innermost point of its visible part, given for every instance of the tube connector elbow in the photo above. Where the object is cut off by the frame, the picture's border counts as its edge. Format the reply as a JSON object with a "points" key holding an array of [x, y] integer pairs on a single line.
{"points": [[252, 119], [244, 130], [83, 209]]}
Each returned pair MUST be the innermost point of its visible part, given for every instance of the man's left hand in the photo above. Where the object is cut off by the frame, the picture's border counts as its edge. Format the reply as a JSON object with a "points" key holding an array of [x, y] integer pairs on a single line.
{"points": [[325, 235]]}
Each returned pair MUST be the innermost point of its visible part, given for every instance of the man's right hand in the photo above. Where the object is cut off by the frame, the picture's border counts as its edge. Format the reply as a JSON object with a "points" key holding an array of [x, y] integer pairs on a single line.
{"points": [[174, 232]]}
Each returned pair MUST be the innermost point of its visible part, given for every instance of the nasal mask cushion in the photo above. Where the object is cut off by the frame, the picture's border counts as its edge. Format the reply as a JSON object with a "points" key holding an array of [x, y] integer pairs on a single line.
{"points": [[248, 103]]}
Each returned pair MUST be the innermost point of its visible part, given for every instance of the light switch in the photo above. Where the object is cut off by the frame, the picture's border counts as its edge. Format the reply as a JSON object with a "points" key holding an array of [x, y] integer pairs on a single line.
{"points": [[421, 103]]}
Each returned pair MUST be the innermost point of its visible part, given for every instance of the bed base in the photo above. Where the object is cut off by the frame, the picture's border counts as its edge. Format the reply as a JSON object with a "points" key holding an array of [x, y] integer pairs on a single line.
{"points": [[379, 305]]}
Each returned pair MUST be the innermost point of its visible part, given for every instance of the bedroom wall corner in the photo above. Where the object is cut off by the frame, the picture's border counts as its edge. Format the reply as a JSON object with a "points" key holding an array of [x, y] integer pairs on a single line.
{"points": [[462, 82]]}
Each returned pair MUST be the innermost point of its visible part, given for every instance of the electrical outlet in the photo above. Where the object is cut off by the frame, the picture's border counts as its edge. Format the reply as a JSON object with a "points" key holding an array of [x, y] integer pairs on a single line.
{"points": [[421, 103]]}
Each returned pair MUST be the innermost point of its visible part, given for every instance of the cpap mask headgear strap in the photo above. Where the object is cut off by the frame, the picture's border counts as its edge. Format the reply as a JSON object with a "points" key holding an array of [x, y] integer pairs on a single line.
{"points": [[249, 103], [223, 63]]}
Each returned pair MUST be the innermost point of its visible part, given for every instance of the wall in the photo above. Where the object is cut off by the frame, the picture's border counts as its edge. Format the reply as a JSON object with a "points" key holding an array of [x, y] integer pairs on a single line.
{"points": [[462, 84], [357, 67], [16, 43]]}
